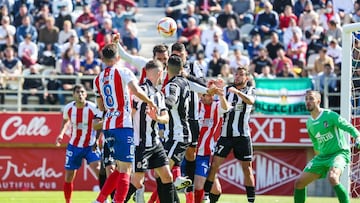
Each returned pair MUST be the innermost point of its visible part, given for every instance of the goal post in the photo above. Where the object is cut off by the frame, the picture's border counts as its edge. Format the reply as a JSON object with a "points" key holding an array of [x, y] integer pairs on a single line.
{"points": [[348, 97]]}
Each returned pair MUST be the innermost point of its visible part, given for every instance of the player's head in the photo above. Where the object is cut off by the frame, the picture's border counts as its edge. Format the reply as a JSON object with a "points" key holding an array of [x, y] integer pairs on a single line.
{"points": [[175, 65], [154, 70], [79, 93], [241, 76], [110, 54], [161, 53], [312, 100], [180, 50]]}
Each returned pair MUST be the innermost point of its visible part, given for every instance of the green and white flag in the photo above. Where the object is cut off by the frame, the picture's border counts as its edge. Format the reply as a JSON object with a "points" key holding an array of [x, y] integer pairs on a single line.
{"points": [[281, 95]]}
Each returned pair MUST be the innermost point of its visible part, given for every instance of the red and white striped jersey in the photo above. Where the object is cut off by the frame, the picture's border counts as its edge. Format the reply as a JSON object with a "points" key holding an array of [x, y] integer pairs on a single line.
{"points": [[210, 123], [111, 86], [82, 133]]}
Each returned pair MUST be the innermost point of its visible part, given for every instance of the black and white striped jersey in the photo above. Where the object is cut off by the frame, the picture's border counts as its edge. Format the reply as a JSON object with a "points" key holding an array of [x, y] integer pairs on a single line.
{"points": [[177, 101], [146, 129], [196, 71], [236, 121]]}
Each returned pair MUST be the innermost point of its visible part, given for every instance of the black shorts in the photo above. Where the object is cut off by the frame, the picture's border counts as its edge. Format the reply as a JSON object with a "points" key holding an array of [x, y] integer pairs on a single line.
{"points": [[242, 147], [107, 156], [176, 150], [150, 157], [195, 130]]}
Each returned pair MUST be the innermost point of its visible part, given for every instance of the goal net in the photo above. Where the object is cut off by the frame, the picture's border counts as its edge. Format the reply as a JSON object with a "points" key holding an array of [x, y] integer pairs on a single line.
{"points": [[350, 99]]}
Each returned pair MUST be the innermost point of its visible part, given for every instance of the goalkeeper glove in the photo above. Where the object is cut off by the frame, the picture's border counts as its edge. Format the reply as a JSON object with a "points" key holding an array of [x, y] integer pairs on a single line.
{"points": [[357, 142]]}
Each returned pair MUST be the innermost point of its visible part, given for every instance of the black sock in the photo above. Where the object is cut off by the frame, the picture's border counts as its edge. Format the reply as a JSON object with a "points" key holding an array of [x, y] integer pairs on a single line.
{"points": [[131, 191], [102, 179], [250, 193], [168, 193], [190, 173], [207, 186], [214, 198]]}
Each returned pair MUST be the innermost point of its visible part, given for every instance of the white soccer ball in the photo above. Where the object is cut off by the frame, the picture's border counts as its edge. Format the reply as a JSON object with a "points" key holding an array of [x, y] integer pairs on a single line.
{"points": [[166, 27]]}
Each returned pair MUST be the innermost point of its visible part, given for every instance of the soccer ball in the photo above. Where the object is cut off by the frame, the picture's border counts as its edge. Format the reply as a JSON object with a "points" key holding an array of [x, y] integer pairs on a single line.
{"points": [[166, 27]]}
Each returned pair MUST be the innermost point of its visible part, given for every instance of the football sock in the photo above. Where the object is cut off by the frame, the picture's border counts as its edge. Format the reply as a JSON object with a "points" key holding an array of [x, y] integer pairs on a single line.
{"points": [[214, 198], [132, 190], [68, 188], [102, 179], [109, 186], [250, 193], [341, 193], [190, 173], [167, 194], [300, 195], [122, 187], [207, 186], [199, 195]]}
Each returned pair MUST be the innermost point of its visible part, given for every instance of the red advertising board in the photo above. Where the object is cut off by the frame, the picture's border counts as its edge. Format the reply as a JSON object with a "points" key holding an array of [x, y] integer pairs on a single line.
{"points": [[42, 128], [279, 131], [43, 169], [39, 169], [275, 172]]}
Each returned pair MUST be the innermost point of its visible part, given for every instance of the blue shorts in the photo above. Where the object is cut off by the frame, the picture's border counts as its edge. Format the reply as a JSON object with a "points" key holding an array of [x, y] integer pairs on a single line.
{"points": [[75, 155], [121, 142], [202, 167]]}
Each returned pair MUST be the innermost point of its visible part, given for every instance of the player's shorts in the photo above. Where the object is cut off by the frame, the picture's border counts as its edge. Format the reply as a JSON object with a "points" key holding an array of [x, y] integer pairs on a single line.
{"points": [[175, 150], [242, 147], [195, 130], [202, 165], [121, 142], [321, 164], [75, 155], [107, 156], [150, 158]]}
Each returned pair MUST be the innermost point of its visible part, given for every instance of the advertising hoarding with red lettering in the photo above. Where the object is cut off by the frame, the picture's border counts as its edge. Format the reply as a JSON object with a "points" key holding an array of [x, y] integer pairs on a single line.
{"points": [[43, 128], [39, 169], [43, 169], [275, 172]]}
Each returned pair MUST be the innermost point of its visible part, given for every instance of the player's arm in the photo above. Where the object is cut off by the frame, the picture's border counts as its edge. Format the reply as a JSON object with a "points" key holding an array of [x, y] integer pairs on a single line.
{"points": [[64, 124], [137, 91], [163, 118], [100, 103], [247, 98], [172, 94], [138, 61], [345, 125], [224, 104]]}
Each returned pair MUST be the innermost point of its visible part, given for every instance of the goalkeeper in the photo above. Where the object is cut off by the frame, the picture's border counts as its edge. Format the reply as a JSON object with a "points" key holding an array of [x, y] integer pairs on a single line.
{"points": [[326, 131]]}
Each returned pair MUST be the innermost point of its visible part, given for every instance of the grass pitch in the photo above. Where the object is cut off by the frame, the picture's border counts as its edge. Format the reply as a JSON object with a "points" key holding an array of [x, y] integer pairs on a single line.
{"points": [[89, 197]]}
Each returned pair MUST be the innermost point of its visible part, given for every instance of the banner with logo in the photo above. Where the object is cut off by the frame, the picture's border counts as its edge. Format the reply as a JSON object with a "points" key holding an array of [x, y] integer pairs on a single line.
{"points": [[279, 131], [40, 169], [281, 96], [30, 128], [43, 128]]}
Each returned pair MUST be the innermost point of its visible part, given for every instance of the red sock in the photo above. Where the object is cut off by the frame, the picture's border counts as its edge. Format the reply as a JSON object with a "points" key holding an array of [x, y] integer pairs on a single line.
{"points": [[175, 172], [199, 195], [153, 197], [68, 188], [109, 186], [122, 187]]}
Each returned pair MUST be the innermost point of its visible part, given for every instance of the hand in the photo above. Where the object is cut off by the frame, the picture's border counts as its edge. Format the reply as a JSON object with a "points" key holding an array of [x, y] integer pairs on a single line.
{"points": [[357, 142], [152, 105], [116, 38], [220, 83], [59, 140], [152, 112], [214, 90], [233, 90]]}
